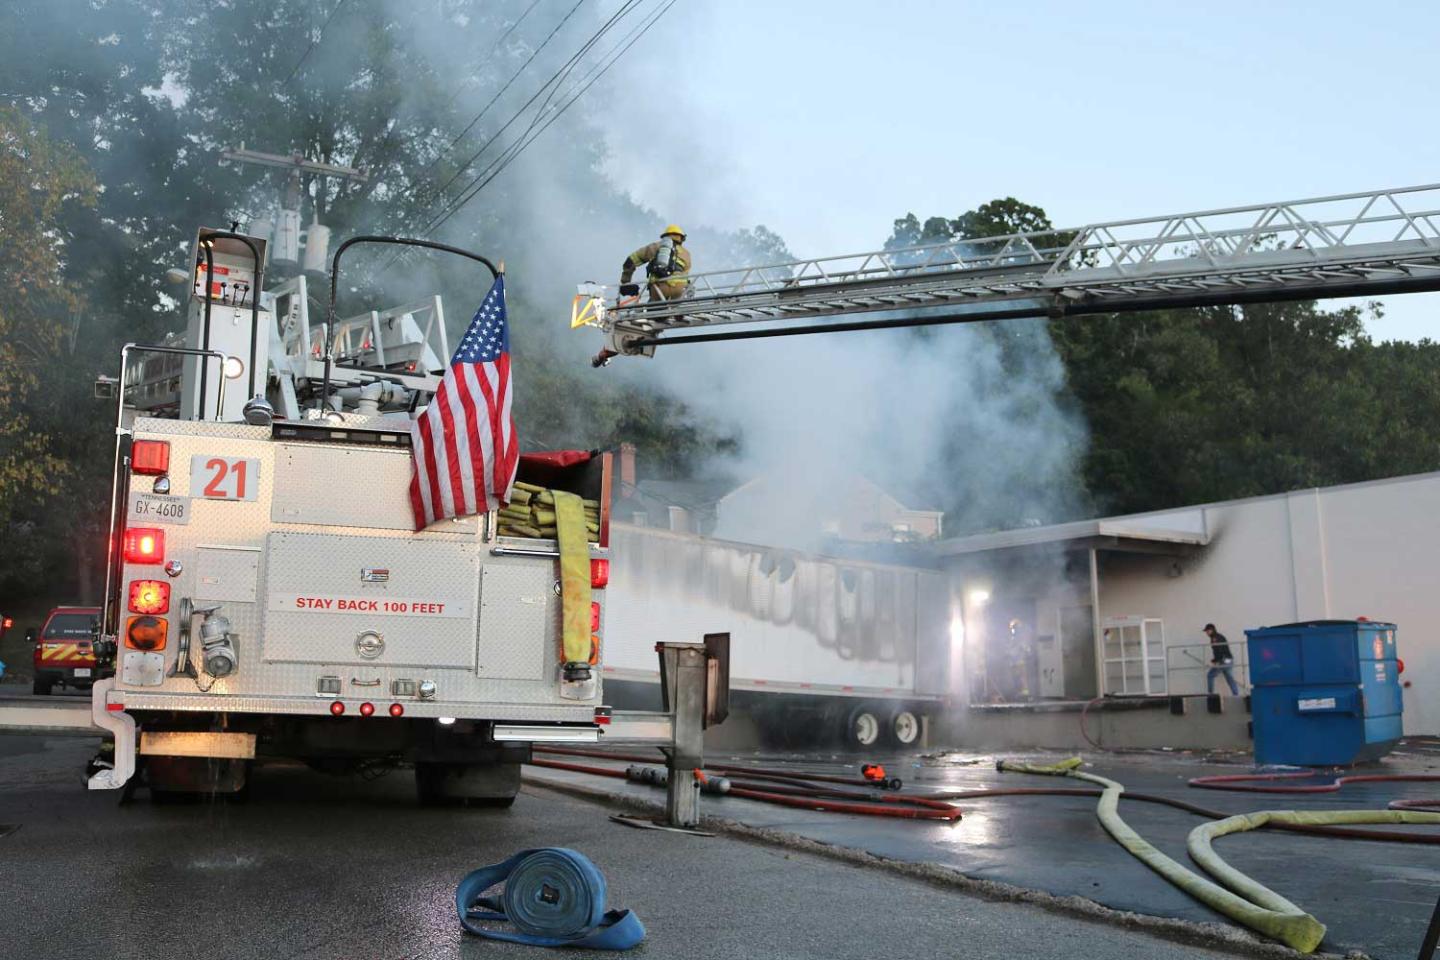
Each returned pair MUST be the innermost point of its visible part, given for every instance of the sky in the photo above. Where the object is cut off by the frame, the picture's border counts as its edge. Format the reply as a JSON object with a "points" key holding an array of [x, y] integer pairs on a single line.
{"points": [[827, 119]]}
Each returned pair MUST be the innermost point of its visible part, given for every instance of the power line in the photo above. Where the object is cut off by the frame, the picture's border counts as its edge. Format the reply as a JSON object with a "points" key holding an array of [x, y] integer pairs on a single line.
{"points": [[513, 77], [558, 76], [531, 134], [313, 43], [516, 147], [459, 89]]}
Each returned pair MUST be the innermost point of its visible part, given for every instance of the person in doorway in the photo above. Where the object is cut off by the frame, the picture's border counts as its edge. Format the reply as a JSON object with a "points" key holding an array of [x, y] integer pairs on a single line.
{"points": [[667, 266], [1221, 661]]}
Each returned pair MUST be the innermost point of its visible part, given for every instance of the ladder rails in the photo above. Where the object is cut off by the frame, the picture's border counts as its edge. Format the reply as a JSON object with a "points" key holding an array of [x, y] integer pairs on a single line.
{"points": [[1357, 244]]}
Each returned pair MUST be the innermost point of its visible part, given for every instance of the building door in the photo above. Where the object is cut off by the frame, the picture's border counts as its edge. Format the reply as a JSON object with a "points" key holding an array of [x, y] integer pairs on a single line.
{"points": [[1077, 652]]}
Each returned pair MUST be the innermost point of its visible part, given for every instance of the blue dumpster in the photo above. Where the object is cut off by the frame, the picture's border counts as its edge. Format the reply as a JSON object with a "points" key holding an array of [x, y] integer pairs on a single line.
{"points": [[1324, 693]]}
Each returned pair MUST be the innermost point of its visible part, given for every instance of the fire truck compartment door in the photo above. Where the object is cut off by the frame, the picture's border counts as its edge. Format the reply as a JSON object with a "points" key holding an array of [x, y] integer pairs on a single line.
{"points": [[384, 601], [520, 620], [348, 487]]}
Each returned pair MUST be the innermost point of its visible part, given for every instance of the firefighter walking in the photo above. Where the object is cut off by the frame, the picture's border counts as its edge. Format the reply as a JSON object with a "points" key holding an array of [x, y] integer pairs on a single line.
{"points": [[667, 266]]}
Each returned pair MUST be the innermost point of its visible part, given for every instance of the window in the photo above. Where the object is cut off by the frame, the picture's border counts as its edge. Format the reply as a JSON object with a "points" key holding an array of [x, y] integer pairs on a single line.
{"points": [[69, 626], [1134, 652]]}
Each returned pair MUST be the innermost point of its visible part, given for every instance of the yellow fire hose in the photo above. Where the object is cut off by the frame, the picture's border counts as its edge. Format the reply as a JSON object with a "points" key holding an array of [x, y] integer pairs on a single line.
{"points": [[574, 547], [1252, 904]]}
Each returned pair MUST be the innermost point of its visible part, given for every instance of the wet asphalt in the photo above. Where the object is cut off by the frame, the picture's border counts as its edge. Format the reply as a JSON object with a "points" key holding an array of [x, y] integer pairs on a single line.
{"points": [[312, 866], [1375, 897]]}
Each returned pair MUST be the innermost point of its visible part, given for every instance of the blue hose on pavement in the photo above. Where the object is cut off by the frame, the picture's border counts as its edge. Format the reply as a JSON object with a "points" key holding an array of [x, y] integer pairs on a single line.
{"points": [[554, 897]]}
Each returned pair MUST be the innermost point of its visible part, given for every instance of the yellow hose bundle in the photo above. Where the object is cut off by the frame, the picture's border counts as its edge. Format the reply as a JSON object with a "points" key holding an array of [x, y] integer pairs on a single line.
{"points": [[574, 577], [531, 514]]}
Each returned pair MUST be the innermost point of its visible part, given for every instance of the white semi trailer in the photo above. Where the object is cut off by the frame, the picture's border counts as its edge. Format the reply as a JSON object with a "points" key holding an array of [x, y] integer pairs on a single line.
{"points": [[821, 647]]}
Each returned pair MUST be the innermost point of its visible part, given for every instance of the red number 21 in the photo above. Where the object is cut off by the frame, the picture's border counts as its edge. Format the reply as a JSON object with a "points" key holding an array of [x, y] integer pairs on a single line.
{"points": [[215, 487]]}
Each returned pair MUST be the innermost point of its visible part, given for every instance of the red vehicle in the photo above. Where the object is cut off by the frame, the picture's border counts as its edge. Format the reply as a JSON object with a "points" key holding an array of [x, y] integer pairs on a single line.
{"points": [[63, 651]]}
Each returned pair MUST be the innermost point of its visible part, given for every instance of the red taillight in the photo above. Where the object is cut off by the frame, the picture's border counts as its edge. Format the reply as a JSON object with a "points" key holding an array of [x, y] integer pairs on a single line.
{"points": [[149, 596], [7, 623], [337, 708], [397, 710], [144, 545], [594, 617], [150, 457], [599, 574], [367, 709]]}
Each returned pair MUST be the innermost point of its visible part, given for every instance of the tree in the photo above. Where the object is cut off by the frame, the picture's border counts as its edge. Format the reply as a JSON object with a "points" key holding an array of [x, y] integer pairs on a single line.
{"points": [[40, 180], [148, 92], [1215, 403]]}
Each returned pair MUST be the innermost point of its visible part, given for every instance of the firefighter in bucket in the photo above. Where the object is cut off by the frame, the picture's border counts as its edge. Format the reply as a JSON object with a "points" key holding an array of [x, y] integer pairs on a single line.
{"points": [[667, 267]]}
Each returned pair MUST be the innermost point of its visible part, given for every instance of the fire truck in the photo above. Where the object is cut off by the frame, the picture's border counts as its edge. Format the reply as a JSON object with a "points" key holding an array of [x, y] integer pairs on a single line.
{"points": [[266, 592]]}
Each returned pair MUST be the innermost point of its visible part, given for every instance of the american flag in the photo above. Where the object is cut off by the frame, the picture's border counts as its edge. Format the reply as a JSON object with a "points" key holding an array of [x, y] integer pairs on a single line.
{"points": [[464, 443]]}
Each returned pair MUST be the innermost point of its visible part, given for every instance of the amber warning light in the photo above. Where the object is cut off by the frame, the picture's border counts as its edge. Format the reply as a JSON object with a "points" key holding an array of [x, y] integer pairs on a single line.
{"points": [[146, 633]]}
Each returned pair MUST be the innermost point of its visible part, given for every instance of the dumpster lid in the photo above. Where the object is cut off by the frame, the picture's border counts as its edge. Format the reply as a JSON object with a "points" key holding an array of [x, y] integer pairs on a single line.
{"points": [[1326, 623]]}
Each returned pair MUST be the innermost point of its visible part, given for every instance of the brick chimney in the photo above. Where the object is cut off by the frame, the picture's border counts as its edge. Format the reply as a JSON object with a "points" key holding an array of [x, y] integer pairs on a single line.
{"points": [[627, 469]]}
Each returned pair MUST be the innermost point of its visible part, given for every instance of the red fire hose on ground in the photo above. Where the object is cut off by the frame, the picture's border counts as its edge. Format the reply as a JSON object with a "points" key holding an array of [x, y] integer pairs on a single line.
{"points": [[834, 801], [1265, 783], [763, 773], [801, 790]]}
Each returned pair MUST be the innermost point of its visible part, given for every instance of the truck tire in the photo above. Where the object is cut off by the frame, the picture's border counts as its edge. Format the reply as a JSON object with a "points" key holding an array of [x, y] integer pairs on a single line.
{"points": [[864, 727], [42, 686], [492, 785], [904, 728]]}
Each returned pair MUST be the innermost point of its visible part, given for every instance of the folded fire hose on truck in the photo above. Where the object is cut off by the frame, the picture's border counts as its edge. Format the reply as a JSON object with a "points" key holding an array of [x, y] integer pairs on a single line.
{"points": [[1251, 903], [573, 522], [554, 897], [574, 543]]}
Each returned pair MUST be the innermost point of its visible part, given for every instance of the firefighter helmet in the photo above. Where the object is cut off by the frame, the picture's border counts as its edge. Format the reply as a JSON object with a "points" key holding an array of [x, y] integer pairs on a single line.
{"points": [[674, 230]]}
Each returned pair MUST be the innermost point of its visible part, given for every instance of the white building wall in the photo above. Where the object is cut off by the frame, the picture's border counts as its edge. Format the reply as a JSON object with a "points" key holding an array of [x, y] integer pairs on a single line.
{"points": [[1368, 550]]}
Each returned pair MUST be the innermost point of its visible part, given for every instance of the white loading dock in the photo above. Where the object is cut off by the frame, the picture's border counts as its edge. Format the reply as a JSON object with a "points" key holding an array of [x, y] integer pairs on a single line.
{"points": [[1045, 596]]}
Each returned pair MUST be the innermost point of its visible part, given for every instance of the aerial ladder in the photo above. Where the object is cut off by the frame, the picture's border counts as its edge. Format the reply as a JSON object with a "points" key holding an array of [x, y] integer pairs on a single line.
{"points": [[1349, 245]]}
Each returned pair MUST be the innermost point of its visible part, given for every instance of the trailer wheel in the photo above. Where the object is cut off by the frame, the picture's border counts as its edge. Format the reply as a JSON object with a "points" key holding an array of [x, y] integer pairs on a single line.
{"points": [[905, 727], [863, 727]]}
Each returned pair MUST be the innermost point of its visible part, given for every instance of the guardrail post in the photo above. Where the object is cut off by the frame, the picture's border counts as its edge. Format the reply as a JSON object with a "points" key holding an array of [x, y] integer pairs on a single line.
{"points": [[682, 680]]}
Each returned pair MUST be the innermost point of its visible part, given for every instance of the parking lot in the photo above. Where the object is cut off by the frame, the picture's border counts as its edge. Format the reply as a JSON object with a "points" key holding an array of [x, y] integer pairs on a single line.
{"points": [[319, 867]]}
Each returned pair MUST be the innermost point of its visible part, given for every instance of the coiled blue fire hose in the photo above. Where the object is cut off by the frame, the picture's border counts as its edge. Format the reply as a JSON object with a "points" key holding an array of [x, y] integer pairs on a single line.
{"points": [[553, 896]]}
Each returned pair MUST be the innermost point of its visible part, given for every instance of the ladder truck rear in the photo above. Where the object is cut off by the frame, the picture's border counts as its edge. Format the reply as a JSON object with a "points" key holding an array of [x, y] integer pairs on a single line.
{"points": [[267, 595]]}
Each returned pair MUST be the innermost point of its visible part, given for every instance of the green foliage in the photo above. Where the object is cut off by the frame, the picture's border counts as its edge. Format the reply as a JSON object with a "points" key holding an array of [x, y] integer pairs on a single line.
{"points": [[147, 92], [1190, 406], [998, 218], [41, 182]]}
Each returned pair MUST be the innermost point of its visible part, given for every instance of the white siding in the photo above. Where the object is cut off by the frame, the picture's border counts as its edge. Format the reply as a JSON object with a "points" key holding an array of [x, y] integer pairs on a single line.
{"points": [[1368, 550]]}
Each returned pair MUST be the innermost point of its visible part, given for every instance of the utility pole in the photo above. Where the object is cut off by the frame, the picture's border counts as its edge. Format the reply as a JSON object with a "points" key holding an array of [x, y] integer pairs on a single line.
{"points": [[285, 243]]}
